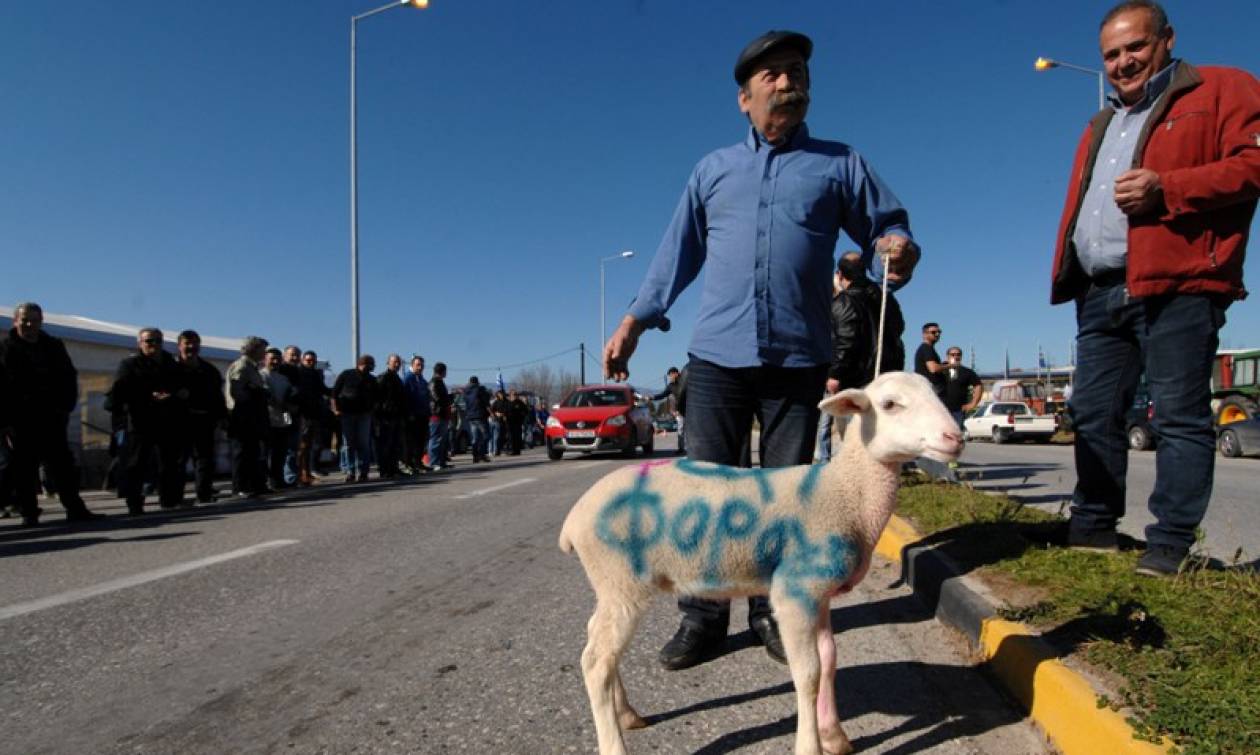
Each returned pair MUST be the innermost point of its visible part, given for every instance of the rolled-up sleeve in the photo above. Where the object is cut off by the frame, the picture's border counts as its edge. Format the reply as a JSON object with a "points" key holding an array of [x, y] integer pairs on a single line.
{"points": [[677, 262]]}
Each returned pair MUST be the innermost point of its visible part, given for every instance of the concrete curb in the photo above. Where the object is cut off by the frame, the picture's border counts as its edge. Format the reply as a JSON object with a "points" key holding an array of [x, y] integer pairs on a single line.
{"points": [[1059, 700]]}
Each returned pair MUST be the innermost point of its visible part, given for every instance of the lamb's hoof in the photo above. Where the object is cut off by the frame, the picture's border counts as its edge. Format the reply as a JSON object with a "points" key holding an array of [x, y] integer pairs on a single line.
{"points": [[629, 720], [835, 742]]}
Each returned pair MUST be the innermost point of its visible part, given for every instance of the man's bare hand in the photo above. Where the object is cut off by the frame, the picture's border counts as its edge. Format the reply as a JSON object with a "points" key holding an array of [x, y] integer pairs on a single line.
{"points": [[903, 255], [1139, 192], [620, 348], [833, 385]]}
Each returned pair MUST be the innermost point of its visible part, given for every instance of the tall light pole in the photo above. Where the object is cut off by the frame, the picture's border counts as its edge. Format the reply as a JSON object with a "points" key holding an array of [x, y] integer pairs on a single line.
{"points": [[354, 175], [619, 256], [1045, 64]]}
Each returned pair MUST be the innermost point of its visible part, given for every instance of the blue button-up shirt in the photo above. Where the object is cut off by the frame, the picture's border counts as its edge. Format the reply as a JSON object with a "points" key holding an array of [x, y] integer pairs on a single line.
{"points": [[417, 390], [765, 219], [1102, 229]]}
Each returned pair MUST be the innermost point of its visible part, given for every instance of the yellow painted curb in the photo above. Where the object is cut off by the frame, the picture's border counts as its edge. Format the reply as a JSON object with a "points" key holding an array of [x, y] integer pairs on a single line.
{"points": [[1061, 702]]}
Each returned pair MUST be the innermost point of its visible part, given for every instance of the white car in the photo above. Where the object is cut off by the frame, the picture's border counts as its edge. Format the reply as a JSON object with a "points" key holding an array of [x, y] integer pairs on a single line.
{"points": [[1003, 421]]}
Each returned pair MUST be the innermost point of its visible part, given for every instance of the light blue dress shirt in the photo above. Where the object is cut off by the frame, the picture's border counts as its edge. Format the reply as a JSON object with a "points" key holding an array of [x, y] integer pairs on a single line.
{"points": [[1102, 230], [764, 221]]}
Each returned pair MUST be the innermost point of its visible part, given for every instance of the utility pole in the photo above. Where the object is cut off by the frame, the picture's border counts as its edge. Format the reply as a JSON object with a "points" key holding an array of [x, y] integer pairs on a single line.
{"points": [[582, 363]]}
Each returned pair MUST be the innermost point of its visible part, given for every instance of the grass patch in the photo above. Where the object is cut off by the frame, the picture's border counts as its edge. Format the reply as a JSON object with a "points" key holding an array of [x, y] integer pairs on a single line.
{"points": [[1186, 649]]}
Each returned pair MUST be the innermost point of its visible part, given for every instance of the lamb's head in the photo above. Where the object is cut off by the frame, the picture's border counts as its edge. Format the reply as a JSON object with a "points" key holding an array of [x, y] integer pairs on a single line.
{"points": [[899, 418]]}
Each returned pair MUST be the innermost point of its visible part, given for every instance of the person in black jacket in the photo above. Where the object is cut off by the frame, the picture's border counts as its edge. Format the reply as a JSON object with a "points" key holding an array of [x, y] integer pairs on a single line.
{"points": [[477, 410], [854, 332], [247, 398], [312, 400], [354, 397], [440, 403], [206, 411], [391, 407], [43, 390], [518, 410], [149, 399]]}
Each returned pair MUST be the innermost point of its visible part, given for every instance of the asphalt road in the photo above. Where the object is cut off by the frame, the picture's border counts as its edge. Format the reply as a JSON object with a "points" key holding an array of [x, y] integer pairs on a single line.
{"points": [[427, 617], [1044, 475]]}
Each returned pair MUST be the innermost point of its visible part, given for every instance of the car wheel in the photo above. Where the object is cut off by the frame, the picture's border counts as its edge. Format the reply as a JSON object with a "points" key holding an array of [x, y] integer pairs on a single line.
{"points": [[1000, 435], [1139, 438], [650, 446], [553, 453], [1227, 444]]}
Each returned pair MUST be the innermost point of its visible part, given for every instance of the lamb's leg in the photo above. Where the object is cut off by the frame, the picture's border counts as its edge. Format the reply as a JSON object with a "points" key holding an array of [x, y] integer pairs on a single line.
{"points": [[627, 716], [796, 627], [608, 634], [834, 740]]}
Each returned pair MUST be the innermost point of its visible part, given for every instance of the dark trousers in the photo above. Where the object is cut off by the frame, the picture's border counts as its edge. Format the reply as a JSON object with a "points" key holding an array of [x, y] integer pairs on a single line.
{"points": [[308, 447], [279, 443], [199, 448], [388, 445], [247, 468], [439, 443], [721, 405], [415, 441], [42, 440], [139, 449], [1173, 340], [515, 427]]}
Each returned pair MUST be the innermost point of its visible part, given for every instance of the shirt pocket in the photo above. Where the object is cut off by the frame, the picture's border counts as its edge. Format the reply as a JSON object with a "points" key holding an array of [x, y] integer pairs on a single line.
{"points": [[1180, 141], [810, 201]]}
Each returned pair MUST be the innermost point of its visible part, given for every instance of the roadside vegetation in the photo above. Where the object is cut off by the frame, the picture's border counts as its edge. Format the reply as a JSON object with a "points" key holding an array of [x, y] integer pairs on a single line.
{"points": [[1183, 653]]}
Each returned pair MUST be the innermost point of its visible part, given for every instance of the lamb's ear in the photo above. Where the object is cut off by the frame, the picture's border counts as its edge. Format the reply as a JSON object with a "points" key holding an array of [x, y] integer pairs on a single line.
{"points": [[850, 401]]}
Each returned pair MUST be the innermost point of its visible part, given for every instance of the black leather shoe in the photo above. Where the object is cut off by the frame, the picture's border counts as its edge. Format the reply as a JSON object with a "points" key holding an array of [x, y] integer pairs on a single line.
{"points": [[767, 630], [83, 515], [689, 647]]}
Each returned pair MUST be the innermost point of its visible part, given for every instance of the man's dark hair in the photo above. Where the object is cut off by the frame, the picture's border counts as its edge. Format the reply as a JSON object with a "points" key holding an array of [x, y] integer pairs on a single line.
{"points": [[439, 368], [365, 359], [157, 331], [928, 325], [293, 346], [310, 354], [850, 267], [672, 371], [473, 380], [274, 350], [189, 335], [1159, 19], [28, 306]]}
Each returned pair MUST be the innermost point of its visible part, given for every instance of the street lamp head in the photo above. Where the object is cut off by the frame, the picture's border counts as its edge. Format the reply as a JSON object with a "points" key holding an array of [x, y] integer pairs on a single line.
{"points": [[627, 253], [415, 3], [1044, 64]]}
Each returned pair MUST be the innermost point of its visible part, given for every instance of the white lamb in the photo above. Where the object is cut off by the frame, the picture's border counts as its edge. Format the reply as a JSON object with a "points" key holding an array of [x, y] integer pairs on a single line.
{"points": [[799, 534]]}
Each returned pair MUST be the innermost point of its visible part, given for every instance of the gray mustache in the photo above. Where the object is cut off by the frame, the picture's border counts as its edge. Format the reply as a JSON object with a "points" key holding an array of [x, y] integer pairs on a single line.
{"points": [[788, 99]]}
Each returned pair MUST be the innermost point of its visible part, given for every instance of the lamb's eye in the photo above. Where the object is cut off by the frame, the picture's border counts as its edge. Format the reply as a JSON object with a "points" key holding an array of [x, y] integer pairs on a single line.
{"points": [[888, 404]]}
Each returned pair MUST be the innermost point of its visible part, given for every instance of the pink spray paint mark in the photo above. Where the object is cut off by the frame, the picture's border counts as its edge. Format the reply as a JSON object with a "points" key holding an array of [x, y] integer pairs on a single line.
{"points": [[646, 466]]}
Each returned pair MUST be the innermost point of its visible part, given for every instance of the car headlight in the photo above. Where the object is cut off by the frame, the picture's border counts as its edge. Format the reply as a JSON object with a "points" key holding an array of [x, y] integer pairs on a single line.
{"points": [[617, 421], [553, 422]]}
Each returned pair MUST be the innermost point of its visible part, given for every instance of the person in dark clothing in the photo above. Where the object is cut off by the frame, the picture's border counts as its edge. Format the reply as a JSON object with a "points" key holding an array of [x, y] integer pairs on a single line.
{"points": [[416, 424], [354, 396], [312, 399], [43, 388], [391, 408], [963, 388], [440, 403], [517, 412], [248, 419], [149, 400], [673, 391], [477, 411], [291, 367], [854, 333], [927, 362], [498, 422], [206, 410]]}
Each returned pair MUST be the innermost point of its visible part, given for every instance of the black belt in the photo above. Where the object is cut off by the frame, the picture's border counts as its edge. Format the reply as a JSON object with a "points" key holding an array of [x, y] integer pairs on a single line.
{"points": [[1108, 278]]}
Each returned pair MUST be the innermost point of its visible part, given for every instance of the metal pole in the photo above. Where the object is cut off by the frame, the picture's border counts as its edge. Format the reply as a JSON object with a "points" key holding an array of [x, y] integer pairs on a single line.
{"points": [[601, 305], [1102, 99], [582, 363], [354, 206]]}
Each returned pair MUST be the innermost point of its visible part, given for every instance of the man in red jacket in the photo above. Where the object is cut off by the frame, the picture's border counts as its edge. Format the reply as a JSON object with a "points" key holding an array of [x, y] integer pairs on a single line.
{"points": [[1150, 248]]}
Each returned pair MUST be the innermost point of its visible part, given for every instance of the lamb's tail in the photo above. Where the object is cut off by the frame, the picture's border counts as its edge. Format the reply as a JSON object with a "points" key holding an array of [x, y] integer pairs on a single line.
{"points": [[566, 542]]}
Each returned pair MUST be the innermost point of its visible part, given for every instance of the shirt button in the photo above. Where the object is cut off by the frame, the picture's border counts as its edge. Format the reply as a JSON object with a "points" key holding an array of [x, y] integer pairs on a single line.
{"points": [[1095, 212], [1113, 161], [1102, 187], [1124, 133]]}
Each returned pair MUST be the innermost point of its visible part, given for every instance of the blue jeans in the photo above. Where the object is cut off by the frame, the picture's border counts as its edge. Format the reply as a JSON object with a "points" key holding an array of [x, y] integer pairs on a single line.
{"points": [[1173, 339], [356, 438], [721, 405], [826, 426], [437, 442], [478, 429]]}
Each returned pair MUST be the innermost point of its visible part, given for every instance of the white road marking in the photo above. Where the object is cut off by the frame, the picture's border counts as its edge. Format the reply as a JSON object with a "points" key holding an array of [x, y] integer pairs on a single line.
{"points": [[18, 609], [496, 488]]}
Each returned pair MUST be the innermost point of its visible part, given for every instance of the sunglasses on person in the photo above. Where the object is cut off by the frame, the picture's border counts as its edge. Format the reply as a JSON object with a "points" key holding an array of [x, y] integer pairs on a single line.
{"points": [[151, 341]]}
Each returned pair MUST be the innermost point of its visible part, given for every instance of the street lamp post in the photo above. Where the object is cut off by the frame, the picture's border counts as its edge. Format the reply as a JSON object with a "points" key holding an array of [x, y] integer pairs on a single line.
{"points": [[354, 175], [1045, 64], [619, 256]]}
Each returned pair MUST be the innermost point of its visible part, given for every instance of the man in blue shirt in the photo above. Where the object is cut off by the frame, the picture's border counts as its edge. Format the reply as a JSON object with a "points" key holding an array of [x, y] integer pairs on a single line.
{"points": [[764, 215]]}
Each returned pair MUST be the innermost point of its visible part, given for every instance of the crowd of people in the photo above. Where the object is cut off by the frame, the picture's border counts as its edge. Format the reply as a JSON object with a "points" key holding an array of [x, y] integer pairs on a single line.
{"points": [[282, 418]]}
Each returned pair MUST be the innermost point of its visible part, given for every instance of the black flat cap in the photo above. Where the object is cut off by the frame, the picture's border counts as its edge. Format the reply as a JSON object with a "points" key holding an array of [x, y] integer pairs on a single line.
{"points": [[764, 44]]}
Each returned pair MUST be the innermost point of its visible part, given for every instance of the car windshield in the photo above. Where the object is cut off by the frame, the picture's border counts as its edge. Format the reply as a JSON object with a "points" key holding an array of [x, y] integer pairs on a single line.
{"points": [[597, 397], [1010, 409]]}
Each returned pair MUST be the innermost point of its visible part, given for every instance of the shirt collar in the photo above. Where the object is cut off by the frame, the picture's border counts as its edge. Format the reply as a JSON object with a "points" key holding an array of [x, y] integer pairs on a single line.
{"points": [[1154, 88], [756, 140]]}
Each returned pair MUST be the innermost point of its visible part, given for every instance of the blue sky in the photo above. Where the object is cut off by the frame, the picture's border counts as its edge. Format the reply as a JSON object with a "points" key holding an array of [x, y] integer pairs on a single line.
{"points": [[186, 164]]}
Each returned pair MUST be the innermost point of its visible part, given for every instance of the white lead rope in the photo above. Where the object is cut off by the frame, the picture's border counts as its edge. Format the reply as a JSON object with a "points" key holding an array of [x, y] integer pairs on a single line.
{"points": [[883, 308]]}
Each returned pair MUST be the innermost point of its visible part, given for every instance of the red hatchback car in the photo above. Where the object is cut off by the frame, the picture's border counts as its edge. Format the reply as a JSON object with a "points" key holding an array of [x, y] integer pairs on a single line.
{"points": [[600, 418]]}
